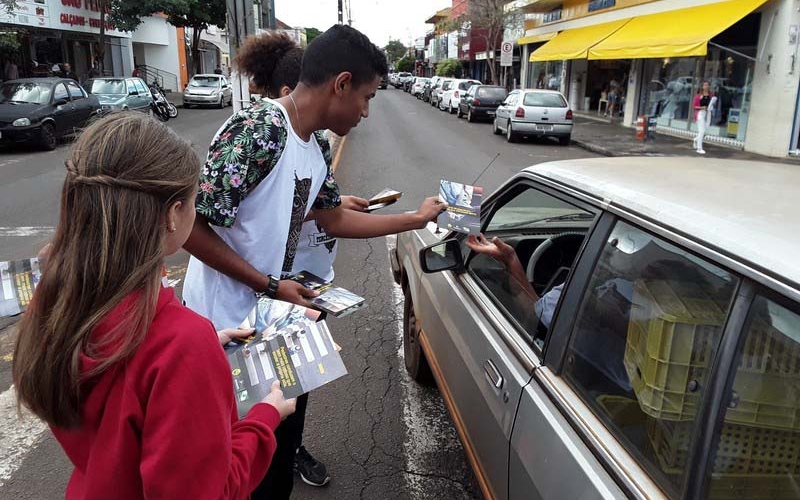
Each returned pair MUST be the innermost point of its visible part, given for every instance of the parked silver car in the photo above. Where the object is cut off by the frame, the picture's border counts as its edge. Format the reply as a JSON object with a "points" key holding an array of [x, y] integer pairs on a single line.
{"points": [[208, 90], [441, 87], [534, 113], [121, 94], [634, 332]]}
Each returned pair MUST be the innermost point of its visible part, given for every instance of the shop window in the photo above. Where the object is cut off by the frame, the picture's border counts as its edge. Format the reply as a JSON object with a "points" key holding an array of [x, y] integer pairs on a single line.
{"points": [[643, 345], [595, 5], [757, 453], [545, 75], [552, 16]]}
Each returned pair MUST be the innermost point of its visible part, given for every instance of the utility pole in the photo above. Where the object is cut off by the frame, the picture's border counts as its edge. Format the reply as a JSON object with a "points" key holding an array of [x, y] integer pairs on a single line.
{"points": [[241, 24]]}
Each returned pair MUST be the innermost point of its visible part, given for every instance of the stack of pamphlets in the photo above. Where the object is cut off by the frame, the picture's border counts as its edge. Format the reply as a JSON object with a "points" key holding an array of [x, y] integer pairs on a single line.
{"points": [[383, 199], [463, 213], [18, 279], [334, 300], [290, 345]]}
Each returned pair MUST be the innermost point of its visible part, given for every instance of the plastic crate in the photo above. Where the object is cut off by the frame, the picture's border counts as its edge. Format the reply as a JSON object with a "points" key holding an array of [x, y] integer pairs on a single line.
{"points": [[744, 451], [673, 331]]}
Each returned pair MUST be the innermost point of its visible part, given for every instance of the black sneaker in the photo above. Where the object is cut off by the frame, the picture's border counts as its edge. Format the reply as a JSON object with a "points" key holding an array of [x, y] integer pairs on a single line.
{"points": [[311, 470]]}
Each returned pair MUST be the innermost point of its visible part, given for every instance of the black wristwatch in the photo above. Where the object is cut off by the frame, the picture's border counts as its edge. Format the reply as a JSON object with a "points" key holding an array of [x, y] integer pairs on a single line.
{"points": [[272, 288]]}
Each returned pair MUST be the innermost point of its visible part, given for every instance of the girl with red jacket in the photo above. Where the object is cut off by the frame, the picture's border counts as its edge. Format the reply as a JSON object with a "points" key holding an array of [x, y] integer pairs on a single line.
{"points": [[135, 387]]}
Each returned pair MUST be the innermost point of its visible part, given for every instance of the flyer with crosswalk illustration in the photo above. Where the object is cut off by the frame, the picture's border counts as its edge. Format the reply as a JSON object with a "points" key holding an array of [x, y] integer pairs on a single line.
{"points": [[290, 345], [18, 279]]}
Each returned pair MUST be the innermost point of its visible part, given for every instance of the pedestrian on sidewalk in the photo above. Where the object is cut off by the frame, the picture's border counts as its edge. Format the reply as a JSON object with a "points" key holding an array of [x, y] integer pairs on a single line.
{"points": [[266, 169], [704, 104], [135, 387]]}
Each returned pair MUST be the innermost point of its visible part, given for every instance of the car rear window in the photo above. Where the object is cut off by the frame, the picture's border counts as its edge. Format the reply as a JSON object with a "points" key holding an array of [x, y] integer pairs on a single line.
{"points": [[466, 85], [544, 100], [492, 93]]}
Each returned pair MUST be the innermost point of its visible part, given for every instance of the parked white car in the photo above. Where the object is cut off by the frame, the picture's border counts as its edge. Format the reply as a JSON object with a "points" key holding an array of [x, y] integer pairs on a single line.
{"points": [[418, 85], [436, 93], [208, 90], [452, 96], [534, 113]]}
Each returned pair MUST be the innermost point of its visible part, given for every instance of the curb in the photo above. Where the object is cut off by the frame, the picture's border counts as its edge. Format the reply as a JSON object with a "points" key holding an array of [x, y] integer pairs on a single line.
{"points": [[593, 148]]}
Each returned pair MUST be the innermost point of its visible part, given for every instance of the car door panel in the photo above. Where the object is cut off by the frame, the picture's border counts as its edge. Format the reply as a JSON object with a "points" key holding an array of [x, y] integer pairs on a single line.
{"points": [[65, 115], [467, 345], [548, 459]]}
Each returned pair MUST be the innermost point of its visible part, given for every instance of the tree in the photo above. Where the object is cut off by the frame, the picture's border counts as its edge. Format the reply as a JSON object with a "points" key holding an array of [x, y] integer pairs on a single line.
{"points": [[311, 34], [405, 64], [197, 15], [449, 67], [490, 19], [395, 50]]}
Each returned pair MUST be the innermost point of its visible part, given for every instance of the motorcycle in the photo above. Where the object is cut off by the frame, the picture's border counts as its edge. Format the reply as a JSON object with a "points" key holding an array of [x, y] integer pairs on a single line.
{"points": [[162, 108]]}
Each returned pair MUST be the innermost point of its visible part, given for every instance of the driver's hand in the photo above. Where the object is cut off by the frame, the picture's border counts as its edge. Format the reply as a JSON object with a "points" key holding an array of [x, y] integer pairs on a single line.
{"points": [[497, 248]]}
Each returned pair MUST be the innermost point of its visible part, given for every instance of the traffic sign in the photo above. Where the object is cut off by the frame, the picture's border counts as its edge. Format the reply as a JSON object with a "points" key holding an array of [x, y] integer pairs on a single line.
{"points": [[506, 54]]}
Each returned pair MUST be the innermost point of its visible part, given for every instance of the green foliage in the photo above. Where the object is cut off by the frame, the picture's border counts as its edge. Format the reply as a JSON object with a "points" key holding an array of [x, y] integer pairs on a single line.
{"points": [[395, 50], [312, 33], [9, 43], [197, 14], [405, 64], [449, 67]]}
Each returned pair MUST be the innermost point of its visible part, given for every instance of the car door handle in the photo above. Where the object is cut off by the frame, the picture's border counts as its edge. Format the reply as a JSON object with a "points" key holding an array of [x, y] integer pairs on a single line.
{"points": [[493, 374]]}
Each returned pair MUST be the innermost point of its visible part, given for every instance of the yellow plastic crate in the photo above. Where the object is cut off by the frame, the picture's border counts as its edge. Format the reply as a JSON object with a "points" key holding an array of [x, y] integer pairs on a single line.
{"points": [[744, 451], [673, 330]]}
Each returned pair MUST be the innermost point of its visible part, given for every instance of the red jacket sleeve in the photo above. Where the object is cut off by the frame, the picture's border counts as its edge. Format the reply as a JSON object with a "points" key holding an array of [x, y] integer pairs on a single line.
{"points": [[192, 445]]}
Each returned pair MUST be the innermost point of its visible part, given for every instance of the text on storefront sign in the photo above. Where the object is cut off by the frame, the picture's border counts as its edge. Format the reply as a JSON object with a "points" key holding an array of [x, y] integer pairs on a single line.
{"points": [[600, 4]]}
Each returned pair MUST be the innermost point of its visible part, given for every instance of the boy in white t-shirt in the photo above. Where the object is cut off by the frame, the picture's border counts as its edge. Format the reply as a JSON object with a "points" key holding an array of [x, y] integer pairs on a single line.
{"points": [[266, 169]]}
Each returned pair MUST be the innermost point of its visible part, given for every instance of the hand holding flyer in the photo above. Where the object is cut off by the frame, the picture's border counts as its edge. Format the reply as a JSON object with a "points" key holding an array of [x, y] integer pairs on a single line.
{"points": [[463, 213]]}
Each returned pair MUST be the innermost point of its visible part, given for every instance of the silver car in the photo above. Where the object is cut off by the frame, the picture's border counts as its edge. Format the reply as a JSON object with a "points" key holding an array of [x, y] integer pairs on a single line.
{"points": [[634, 331], [534, 113], [121, 94], [208, 90]]}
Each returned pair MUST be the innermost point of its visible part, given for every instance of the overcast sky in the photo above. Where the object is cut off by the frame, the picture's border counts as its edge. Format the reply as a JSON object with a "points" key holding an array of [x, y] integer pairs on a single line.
{"points": [[380, 20]]}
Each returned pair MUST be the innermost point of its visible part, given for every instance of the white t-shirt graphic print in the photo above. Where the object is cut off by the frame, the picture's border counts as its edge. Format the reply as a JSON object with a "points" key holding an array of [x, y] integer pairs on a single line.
{"points": [[258, 184]]}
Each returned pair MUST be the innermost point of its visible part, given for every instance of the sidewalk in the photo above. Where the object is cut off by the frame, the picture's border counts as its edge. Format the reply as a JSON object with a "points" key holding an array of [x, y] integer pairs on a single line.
{"points": [[612, 139]]}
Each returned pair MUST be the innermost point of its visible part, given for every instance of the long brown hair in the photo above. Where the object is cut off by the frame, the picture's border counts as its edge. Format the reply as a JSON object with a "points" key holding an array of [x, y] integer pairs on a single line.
{"points": [[123, 173]]}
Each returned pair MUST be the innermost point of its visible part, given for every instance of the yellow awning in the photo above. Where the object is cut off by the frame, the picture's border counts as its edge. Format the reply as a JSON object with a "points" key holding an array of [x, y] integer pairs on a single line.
{"points": [[536, 38], [575, 43], [678, 33]]}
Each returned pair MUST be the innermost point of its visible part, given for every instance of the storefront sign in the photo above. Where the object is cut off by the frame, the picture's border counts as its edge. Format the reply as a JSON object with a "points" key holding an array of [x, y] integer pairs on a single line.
{"points": [[601, 4], [80, 15], [32, 13]]}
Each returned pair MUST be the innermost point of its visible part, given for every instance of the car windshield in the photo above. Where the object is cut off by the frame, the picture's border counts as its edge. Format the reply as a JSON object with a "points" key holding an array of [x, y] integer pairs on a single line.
{"points": [[204, 81], [26, 92], [108, 87], [466, 85], [492, 93], [545, 100]]}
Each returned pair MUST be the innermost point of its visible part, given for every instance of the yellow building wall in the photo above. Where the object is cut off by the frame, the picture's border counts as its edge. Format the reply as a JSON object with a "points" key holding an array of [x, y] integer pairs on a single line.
{"points": [[575, 9]]}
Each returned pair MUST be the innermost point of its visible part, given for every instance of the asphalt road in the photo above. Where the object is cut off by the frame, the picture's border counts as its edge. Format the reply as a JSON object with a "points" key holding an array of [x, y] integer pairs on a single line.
{"points": [[380, 434]]}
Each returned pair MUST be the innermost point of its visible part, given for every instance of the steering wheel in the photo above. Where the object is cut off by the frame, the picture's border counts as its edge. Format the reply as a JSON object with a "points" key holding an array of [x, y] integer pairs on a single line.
{"points": [[552, 244]]}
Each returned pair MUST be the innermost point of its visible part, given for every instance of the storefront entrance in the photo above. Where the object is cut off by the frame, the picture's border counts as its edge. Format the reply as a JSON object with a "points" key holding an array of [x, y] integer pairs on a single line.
{"points": [[606, 85]]}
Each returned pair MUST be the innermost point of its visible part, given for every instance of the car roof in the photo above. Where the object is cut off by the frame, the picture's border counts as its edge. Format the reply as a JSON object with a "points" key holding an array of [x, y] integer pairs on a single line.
{"points": [[540, 91], [50, 80], [208, 75], [744, 209]]}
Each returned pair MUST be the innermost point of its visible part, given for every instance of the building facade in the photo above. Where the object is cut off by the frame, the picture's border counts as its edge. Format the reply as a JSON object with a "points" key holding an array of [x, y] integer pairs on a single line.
{"points": [[51, 32], [629, 58]]}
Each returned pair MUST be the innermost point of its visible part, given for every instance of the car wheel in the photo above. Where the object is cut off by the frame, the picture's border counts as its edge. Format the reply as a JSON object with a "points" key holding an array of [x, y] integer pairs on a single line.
{"points": [[564, 140], [452, 109], [459, 114], [510, 137], [416, 364], [47, 137], [469, 116], [221, 103], [495, 128]]}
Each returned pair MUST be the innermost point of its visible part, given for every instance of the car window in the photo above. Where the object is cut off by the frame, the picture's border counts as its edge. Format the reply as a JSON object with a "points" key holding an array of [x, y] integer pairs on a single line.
{"points": [[131, 86], [204, 81], [545, 100], [645, 336], [546, 234], [492, 92], [75, 92], [757, 452], [60, 92], [108, 87], [466, 85], [140, 87], [446, 85], [511, 100], [33, 93]]}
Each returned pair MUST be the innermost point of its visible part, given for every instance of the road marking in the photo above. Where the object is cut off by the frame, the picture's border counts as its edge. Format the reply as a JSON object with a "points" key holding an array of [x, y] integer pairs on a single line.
{"points": [[17, 435], [427, 423], [24, 231]]}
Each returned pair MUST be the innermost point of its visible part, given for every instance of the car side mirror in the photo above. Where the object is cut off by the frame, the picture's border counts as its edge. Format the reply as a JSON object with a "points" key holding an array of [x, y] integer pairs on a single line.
{"points": [[59, 102], [442, 256]]}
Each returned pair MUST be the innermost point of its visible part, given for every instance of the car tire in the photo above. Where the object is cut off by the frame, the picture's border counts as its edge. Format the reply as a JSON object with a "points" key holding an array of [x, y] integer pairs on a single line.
{"points": [[451, 109], [459, 114], [47, 137], [416, 364], [510, 137], [221, 103], [470, 118], [495, 128], [564, 140]]}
